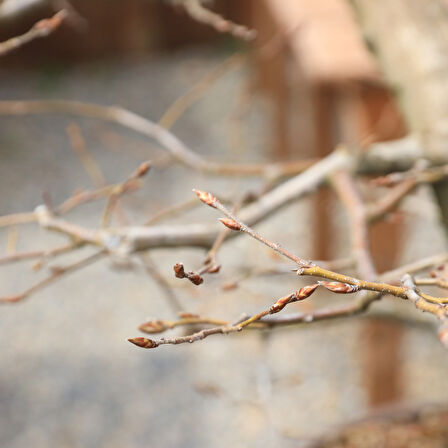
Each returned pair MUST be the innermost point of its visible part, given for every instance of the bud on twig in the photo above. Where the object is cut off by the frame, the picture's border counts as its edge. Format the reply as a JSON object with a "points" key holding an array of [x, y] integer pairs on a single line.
{"points": [[281, 303], [142, 169], [179, 270], [306, 291], [301, 294], [339, 287], [194, 278], [143, 342], [153, 326], [206, 198], [230, 223]]}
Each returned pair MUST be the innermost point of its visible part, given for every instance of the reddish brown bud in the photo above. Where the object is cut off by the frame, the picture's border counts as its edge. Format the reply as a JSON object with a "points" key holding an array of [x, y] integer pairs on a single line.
{"points": [[142, 169], [339, 287], [153, 326], [194, 278], [306, 291], [179, 270], [230, 223], [143, 342], [184, 315], [206, 198], [281, 303]]}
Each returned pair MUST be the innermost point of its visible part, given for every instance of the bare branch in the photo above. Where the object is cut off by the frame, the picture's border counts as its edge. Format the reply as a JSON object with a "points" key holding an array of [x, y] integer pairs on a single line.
{"points": [[195, 10], [43, 28]]}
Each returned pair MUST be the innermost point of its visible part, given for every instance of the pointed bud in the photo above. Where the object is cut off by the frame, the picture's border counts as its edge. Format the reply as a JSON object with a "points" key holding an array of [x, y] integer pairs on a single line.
{"points": [[142, 169], [153, 326], [206, 198], [281, 303], [230, 223], [305, 292], [184, 315], [339, 287], [143, 342]]}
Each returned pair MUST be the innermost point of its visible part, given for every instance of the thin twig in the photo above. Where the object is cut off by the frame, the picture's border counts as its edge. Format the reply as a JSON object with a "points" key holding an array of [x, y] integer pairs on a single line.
{"points": [[43, 28], [348, 192], [196, 10], [55, 275], [30, 255], [166, 139], [340, 284]]}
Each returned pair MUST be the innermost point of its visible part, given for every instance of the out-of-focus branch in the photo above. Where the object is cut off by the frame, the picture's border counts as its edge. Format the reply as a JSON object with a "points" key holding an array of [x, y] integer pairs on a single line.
{"points": [[198, 12], [348, 192], [57, 272], [146, 127], [182, 103], [379, 158], [417, 298], [43, 28], [31, 255]]}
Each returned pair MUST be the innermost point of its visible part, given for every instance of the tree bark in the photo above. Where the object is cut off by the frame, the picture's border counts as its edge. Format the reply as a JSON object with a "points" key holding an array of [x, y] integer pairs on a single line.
{"points": [[410, 40]]}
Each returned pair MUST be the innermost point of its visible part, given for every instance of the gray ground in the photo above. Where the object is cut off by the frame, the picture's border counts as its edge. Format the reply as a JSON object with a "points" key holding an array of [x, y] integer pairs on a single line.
{"points": [[68, 377]]}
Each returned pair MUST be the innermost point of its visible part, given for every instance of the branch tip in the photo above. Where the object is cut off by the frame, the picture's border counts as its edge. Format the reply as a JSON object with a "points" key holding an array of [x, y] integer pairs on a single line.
{"points": [[231, 223], [143, 342], [339, 287], [206, 198]]}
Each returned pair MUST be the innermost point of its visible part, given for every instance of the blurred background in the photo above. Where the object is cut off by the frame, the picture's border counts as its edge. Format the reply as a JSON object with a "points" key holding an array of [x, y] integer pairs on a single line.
{"points": [[307, 82]]}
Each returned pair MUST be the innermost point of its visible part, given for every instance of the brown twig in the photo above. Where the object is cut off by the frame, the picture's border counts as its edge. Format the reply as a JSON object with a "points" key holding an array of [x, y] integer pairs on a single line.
{"points": [[348, 192], [43, 28], [339, 283], [233, 224], [415, 296], [79, 146], [153, 272], [166, 139], [439, 282], [158, 326], [45, 254], [196, 11], [182, 103], [55, 275]]}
